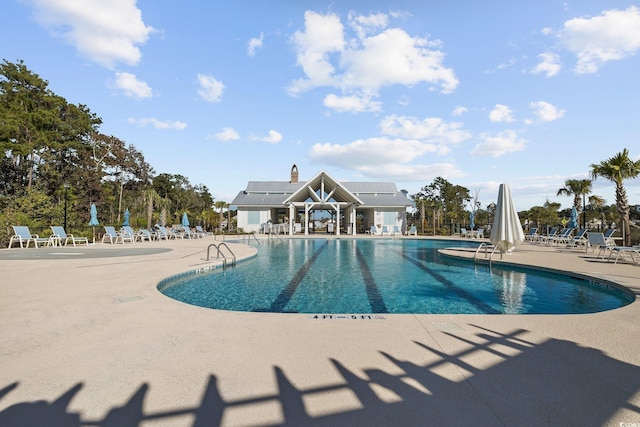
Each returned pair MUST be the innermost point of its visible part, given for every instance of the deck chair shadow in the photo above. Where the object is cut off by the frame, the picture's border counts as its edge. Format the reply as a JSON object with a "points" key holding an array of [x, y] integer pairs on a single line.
{"points": [[61, 236], [22, 235]]}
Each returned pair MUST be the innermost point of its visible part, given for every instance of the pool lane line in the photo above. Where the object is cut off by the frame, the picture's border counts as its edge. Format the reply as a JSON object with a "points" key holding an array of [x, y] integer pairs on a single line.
{"points": [[373, 293], [285, 295], [480, 305]]}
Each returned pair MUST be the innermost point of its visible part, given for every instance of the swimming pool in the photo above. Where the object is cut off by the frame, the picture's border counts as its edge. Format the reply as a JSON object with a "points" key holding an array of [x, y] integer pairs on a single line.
{"points": [[384, 276]]}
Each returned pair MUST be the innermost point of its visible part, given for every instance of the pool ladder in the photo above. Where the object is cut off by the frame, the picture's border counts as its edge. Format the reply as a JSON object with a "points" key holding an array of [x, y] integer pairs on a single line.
{"points": [[486, 249], [219, 252]]}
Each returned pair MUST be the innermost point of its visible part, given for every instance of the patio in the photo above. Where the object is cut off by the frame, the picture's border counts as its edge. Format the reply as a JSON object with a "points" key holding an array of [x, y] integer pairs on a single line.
{"points": [[88, 340]]}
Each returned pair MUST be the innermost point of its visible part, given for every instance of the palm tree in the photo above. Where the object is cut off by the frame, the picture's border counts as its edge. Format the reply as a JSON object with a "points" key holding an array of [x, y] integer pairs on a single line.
{"points": [[577, 188], [150, 199], [221, 205], [617, 169]]}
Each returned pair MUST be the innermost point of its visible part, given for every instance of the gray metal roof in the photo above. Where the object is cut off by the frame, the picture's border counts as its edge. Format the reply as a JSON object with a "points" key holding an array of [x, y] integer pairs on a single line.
{"points": [[370, 187], [274, 193], [273, 187], [259, 199], [397, 199]]}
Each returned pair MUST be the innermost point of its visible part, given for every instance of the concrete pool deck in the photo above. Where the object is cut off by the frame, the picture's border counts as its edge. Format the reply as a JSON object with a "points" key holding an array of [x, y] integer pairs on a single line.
{"points": [[88, 340]]}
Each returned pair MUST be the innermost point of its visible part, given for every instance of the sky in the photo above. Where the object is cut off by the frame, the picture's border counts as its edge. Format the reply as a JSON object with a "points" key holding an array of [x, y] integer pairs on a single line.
{"points": [[529, 93]]}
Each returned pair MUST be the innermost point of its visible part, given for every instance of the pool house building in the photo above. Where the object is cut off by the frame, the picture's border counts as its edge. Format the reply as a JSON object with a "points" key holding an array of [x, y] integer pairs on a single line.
{"points": [[301, 206]]}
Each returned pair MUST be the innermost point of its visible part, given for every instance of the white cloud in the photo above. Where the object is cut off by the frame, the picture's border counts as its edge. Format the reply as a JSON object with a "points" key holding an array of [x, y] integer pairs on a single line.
{"points": [[417, 173], [498, 145], [459, 110], [385, 158], [364, 25], [227, 134], [254, 43], [549, 65], [210, 89], [371, 152], [362, 65], [323, 35], [431, 129], [105, 32], [354, 104], [273, 138], [158, 124], [501, 114], [546, 112], [612, 35], [132, 87]]}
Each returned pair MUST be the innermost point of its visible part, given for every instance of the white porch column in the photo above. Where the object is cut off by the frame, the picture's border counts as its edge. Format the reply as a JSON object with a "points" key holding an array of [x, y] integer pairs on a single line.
{"points": [[352, 216], [292, 219], [337, 219], [306, 219]]}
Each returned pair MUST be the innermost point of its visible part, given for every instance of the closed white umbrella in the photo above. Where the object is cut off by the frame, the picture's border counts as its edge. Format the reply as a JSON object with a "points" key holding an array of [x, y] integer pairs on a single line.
{"points": [[506, 231]]}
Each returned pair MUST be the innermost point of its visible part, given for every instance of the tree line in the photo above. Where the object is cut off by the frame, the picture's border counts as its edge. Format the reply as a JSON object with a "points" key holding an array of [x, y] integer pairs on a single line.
{"points": [[441, 204], [56, 163]]}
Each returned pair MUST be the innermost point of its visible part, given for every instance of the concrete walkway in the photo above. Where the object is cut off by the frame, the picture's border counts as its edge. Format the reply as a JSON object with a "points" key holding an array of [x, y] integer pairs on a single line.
{"points": [[86, 339]]}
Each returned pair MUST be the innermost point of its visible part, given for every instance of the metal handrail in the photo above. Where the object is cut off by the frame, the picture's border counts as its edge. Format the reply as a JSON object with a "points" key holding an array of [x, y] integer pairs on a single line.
{"points": [[486, 247], [482, 245], [219, 252], [271, 233], [253, 234]]}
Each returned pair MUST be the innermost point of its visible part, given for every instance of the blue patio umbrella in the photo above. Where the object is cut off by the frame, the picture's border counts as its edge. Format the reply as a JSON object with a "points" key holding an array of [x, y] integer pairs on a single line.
{"points": [[94, 216], [573, 219], [126, 217], [471, 218], [185, 220], [94, 220]]}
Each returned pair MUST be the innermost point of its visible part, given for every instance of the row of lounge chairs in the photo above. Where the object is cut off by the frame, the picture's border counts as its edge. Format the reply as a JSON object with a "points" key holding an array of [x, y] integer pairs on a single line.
{"points": [[160, 232], [603, 242], [386, 231], [566, 236], [473, 234], [59, 237]]}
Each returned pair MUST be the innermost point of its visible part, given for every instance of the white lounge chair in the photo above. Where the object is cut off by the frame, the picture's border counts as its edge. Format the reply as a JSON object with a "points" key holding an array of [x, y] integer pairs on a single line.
{"points": [[413, 230], [395, 230], [532, 235], [144, 234], [164, 233], [624, 251], [22, 235], [59, 235], [597, 240], [579, 239], [111, 235], [545, 238], [202, 232], [563, 237], [128, 234], [385, 230]]}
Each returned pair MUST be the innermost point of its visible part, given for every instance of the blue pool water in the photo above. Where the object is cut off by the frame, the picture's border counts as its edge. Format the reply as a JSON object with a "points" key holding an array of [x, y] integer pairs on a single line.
{"points": [[384, 276]]}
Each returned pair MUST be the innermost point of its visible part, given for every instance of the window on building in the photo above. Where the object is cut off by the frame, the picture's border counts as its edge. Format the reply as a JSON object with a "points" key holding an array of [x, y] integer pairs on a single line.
{"points": [[253, 217]]}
